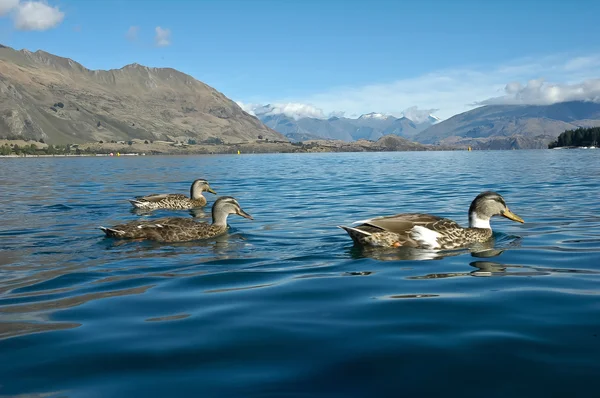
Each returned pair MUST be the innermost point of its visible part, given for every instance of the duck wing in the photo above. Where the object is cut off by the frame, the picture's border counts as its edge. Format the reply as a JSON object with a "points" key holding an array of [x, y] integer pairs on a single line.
{"points": [[175, 229], [166, 229], [402, 224], [159, 197]]}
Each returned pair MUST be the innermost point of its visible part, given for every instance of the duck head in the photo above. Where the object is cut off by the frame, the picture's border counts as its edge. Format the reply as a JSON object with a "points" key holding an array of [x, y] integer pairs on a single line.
{"points": [[198, 186], [487, 205], [223, 207]]}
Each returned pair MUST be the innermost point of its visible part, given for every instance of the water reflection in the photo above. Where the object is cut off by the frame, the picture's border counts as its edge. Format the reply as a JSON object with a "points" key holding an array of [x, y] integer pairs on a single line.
{"points": [[227, 245], [492, 248], [194, 213], [268, 300], [168, 318], [141, 212], [489, 268], [13, 329]]}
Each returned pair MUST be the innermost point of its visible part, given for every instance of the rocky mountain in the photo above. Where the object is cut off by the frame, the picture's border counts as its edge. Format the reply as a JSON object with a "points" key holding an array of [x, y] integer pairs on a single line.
{"points": [[44, 96], [371, 126], [512, 126], [388, 143]]}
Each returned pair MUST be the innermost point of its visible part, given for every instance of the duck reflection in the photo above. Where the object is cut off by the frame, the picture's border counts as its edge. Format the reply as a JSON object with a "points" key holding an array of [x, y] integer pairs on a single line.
{"points": [[231, 245], [140, 212], [195, 213], [482, 268], [480, 250], [198, 213], [490, 268]]}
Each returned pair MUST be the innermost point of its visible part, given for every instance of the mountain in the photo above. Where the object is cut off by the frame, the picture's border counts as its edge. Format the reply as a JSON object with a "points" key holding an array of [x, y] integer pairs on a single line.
{"points": [[44, 96], [512, 126], [388, 143], [370, 126]]}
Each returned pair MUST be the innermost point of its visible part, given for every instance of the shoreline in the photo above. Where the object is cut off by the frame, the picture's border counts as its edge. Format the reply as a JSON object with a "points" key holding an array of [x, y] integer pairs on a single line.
{"points": [[145, 148]]}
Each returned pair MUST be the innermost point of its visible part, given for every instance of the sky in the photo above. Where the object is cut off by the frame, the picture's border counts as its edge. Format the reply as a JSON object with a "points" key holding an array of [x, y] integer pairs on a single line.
{"points": [[330, 57]]}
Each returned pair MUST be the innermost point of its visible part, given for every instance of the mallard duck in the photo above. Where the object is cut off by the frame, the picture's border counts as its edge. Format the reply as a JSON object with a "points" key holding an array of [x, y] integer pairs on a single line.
{"points": [[431, 232], [175, 201], [180, 229]]}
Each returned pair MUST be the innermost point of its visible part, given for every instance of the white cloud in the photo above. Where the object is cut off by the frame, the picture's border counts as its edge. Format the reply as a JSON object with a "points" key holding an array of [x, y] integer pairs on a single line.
{"points": [[297, 110], [582, 62], [453, 91], [294, 110], [132, 33], [249, 108], [538, 92], [418, 115], [7, 6], [37, 15], [163, 37]]}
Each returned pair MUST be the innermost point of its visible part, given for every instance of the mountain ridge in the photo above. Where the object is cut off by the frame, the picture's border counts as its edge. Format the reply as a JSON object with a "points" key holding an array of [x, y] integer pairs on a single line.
{"points": [[45, 96], [370, 126], [534, 123]]}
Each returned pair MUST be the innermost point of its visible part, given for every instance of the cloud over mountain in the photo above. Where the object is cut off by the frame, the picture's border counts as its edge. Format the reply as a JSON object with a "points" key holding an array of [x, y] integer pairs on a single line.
{"points": [[298, 111], [539, 92], [290, 109], [452, 91]]}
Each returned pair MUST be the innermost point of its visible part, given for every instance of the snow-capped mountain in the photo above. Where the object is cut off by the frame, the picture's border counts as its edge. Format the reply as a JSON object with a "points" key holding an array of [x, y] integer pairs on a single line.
{"points": [[374, 115], [371, 126], [433, 119]]}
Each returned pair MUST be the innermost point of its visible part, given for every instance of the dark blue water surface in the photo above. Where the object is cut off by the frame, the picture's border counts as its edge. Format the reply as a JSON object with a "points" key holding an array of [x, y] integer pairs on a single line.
{"points": [[285, 306]]}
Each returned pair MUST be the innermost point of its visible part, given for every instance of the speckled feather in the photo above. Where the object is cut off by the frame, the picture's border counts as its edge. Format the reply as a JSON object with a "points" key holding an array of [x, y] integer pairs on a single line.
{"points": [[399, 230], [425, 231], [167, 201], [175, 201], [168, 229], [180, 229]]}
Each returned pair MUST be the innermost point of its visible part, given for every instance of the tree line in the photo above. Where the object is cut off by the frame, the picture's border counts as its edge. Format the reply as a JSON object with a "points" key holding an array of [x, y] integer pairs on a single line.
{"points": [[32, 149], [589, 136]]}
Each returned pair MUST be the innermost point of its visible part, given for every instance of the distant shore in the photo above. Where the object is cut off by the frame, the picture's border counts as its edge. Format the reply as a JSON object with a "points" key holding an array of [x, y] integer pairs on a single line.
{"points": [[145, 148]]}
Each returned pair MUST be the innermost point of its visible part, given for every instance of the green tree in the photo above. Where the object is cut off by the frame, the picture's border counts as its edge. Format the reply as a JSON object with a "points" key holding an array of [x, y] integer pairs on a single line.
{"points": [[579, 137], [5, 150]]}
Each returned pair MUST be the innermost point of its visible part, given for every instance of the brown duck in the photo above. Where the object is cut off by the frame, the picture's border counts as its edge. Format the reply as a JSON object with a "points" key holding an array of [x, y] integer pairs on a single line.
{"points": [[175, 201], [179, 229], [432, 232]]}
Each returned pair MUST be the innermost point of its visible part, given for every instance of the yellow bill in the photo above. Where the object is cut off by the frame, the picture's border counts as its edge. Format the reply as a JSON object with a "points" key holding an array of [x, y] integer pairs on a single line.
{"points": [[512, 216]]}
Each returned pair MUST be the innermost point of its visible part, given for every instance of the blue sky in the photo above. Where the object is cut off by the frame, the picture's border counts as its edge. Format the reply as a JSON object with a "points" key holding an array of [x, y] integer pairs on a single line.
{"points": [[319, 57]]}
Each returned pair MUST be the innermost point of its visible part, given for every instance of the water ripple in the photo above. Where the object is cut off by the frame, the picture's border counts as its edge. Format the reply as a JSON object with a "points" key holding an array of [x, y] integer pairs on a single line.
{"points": [[285, 305]]}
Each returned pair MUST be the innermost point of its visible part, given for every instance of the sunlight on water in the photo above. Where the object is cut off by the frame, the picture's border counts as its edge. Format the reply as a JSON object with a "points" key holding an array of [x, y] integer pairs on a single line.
{"points": [[285, 305]]}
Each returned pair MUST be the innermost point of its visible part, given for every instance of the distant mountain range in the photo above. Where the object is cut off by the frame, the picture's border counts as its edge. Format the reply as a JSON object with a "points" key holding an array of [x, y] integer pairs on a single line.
{"points": [[44, 96], [512, 126], [47, 97], [486, 127], [371, 126]]}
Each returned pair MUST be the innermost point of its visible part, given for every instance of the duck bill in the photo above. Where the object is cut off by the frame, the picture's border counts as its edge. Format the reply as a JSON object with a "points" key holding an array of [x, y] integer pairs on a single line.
{"points": [[244, 214], [209, 189], [512, 216]]}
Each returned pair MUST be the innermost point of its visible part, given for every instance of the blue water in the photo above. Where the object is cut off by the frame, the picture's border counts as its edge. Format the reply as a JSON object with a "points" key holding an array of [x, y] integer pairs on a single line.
{"points": [[285, 306]]}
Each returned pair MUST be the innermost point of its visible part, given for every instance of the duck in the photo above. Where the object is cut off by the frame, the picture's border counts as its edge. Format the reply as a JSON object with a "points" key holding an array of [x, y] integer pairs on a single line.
{"points": [[180, 229], [425, 231], [175, 201]]}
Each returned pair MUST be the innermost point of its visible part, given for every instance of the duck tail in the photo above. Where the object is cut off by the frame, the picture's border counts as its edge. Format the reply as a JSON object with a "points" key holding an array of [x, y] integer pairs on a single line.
{"points": [[112, 232], [136, 203], [356, 234]]}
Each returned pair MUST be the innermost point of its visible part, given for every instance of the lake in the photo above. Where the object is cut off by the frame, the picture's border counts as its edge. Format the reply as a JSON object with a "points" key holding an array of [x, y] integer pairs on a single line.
{"points": [[285, 305]]}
